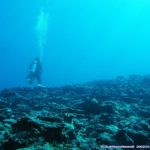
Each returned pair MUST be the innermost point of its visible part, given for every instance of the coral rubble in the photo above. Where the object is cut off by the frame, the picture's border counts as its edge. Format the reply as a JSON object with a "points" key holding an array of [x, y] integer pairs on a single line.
{"points": [[87, 116]]}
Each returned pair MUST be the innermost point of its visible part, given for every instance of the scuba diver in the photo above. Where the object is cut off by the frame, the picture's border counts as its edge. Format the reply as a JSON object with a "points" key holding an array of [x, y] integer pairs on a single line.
{"points": [[35, 71]]}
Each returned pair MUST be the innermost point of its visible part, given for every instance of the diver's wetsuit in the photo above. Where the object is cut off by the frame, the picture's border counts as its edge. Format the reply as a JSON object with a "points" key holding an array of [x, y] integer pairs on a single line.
{"points": [[35, 72]]}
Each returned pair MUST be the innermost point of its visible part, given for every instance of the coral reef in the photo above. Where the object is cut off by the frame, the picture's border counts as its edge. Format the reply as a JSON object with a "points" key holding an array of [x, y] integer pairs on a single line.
{"points": [[87, 116]]}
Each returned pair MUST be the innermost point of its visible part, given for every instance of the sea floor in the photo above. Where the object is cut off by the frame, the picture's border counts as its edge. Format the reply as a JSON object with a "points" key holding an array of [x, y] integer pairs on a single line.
{"points": [[91, 116]]}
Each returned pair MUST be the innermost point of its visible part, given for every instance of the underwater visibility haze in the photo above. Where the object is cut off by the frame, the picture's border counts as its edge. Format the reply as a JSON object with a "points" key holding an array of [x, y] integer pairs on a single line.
{"points": [[77, 40], [95, 89]]}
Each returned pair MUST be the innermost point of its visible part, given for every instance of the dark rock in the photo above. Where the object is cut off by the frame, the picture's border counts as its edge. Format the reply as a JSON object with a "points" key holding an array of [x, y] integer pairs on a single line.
{"points": [[140, 138], [123, 138], [49, 119], [25, 124], [53, 134], [91, 106], [12, 145]]}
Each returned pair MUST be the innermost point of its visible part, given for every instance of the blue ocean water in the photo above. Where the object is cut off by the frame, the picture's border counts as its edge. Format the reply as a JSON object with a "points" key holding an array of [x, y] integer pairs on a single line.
{"points": [[78, 40]]}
